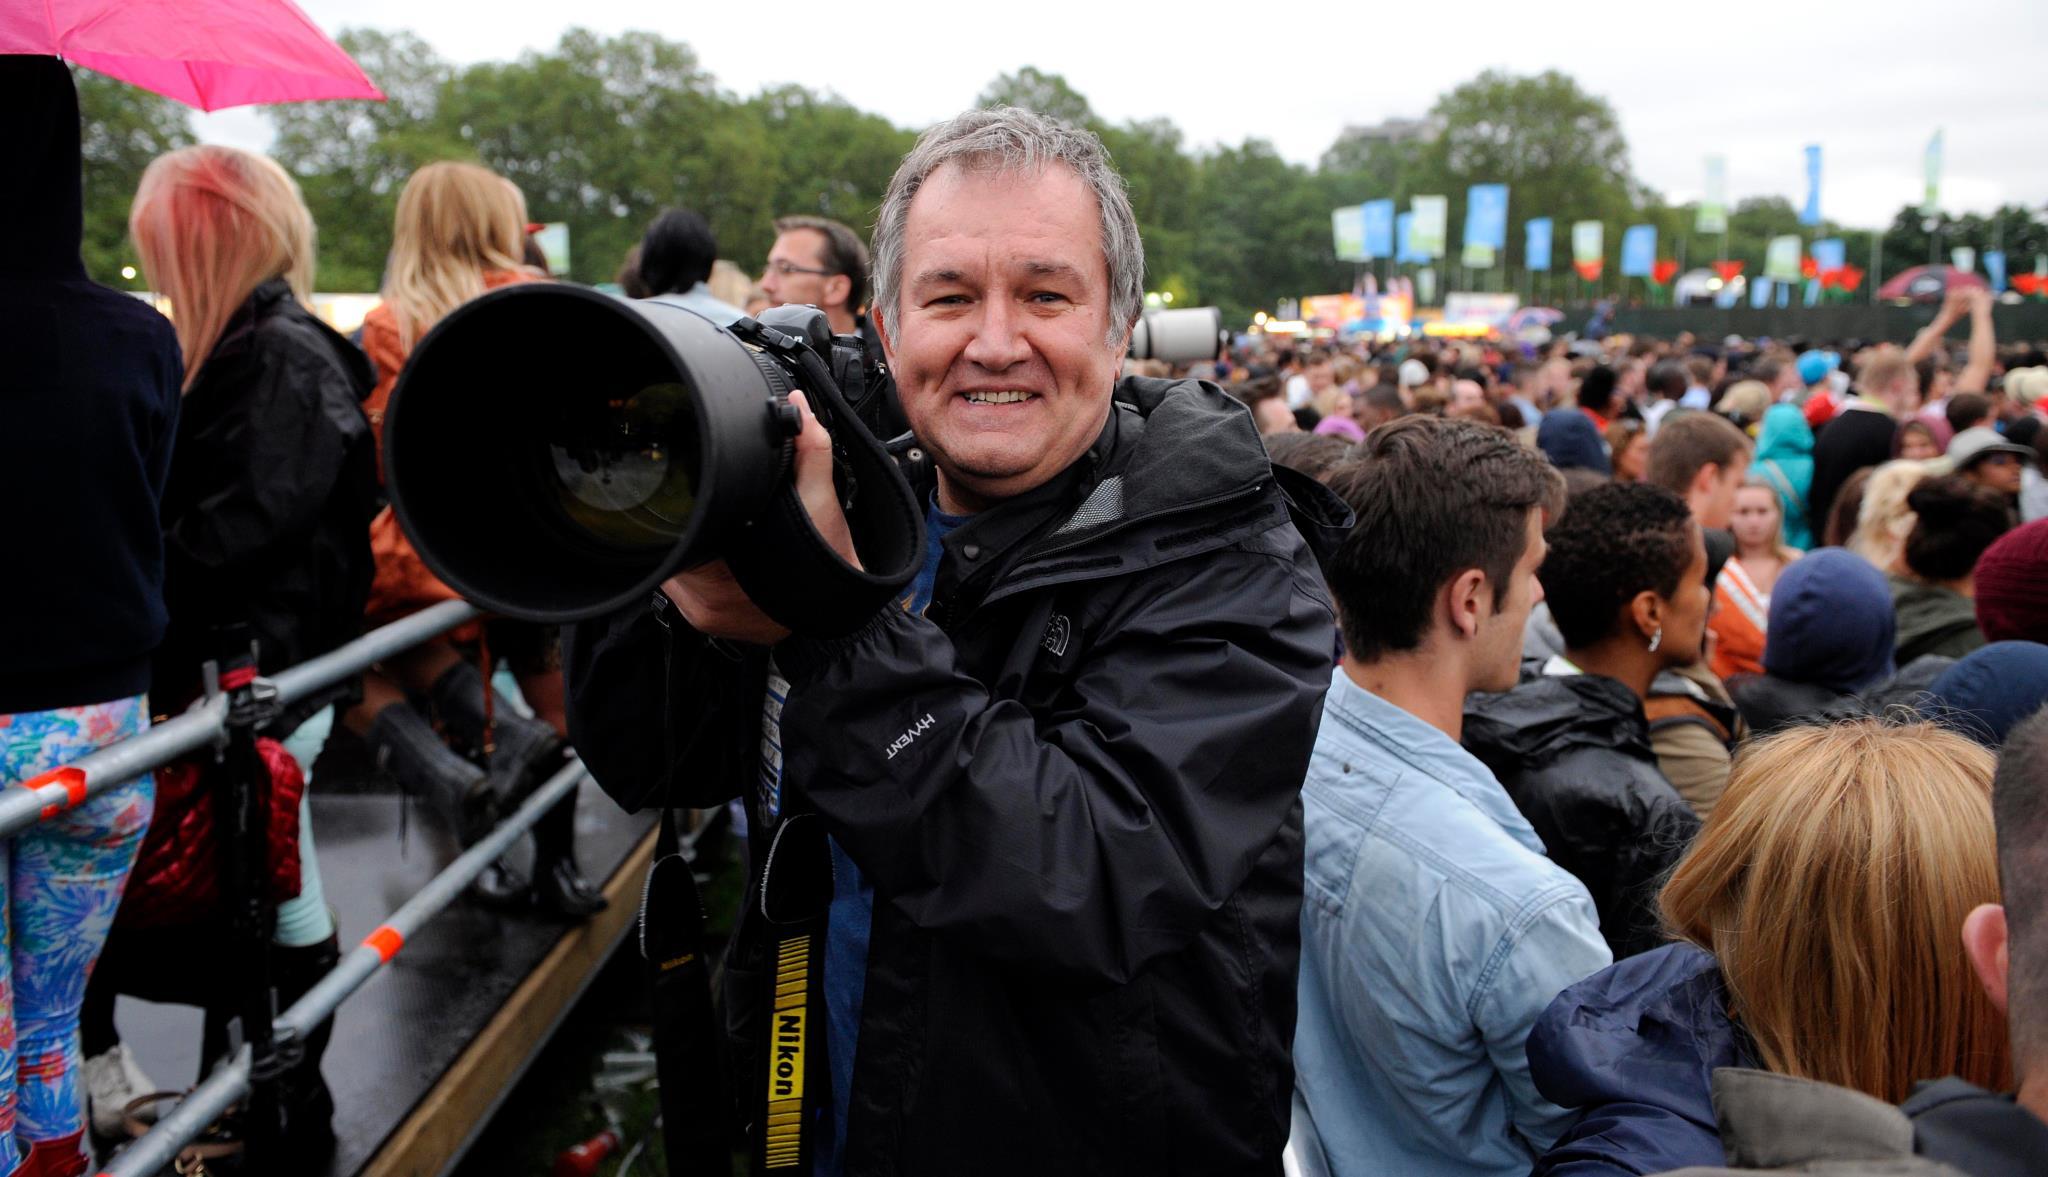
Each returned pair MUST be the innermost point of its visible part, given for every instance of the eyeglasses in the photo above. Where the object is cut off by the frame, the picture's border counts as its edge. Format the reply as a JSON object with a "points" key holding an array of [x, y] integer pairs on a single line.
{"points": [[786, 268]]}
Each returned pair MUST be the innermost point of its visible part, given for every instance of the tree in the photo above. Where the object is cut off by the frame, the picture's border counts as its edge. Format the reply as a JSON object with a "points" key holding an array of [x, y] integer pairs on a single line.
{"points": [[122, 128], [602, 133], [351, 158], [1559, 149], [1033, 89], [1265, 231]]}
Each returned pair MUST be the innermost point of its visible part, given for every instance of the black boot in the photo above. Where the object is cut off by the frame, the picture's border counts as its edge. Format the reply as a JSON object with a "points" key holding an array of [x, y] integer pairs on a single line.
{"points": [[408, 747], [523, 752], [302, 1090], [559, 885]]}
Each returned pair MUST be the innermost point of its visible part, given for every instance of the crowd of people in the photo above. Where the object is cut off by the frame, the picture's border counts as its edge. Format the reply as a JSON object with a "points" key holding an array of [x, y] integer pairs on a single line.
{"points": [[1578, 757]]}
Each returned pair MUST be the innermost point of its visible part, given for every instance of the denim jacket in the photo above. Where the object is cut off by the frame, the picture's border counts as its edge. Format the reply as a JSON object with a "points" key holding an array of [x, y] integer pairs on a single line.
{"points": [[1434, 932]]}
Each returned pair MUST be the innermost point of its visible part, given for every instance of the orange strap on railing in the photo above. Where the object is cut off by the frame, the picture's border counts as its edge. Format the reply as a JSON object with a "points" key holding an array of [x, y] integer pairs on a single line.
{"points": [[73, 780], [385, 942]]}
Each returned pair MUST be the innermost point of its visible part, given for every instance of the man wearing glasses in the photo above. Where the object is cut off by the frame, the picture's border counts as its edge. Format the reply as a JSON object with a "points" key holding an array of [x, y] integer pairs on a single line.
{"points": [[822, 263]]}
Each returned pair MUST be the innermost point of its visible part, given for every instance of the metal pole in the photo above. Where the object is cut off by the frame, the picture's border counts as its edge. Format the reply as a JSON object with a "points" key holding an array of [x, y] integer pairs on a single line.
{"points": [[116, 764], [230, 1081]]}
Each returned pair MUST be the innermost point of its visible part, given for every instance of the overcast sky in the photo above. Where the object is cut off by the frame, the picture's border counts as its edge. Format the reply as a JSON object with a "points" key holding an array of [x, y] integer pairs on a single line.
{"points": [[1756, 80]]}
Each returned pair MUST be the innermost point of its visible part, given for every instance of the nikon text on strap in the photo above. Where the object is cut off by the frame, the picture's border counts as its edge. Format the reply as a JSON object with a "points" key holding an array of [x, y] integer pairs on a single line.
{"points": [[796, 894]]}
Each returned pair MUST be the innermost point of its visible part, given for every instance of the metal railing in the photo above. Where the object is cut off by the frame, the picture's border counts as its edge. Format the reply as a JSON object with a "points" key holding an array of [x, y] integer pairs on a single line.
{"points": [[205, 724], [230, 1081]]}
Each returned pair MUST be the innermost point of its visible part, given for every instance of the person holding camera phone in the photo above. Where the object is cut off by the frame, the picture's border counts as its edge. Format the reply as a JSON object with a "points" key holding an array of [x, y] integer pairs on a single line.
{"points": [[1061, 777]]}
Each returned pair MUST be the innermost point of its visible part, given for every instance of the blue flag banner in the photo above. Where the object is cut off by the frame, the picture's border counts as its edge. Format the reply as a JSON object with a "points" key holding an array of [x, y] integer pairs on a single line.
{"points": [[1828, 254], [1638, 250], [1486, 215], [1760, 293], [1994, 269], [1379, 227], [1536, 249], [1809, 214], [1404, 244]]}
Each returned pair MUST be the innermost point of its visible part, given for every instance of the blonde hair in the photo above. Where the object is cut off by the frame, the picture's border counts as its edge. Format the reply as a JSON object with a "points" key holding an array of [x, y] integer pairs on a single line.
{"points": [[456, 222], [1883, 520], [211, 224], [1831, 883]]}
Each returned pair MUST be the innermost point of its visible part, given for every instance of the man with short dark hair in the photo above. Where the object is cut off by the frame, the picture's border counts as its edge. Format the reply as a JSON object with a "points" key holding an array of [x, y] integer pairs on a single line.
{"points": [[1701, 458], [1665, 384], [1419, 865], [820, 262], [2008, 944]]}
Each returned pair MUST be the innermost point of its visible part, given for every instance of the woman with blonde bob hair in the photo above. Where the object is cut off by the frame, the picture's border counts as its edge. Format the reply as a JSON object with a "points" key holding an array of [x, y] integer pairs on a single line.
{"points": [[460, 230], [265, 520], [1818, 921]]}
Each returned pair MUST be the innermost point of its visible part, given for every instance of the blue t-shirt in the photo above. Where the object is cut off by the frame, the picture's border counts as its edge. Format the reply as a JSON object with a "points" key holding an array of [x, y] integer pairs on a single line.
{"points": [[853, 898]]}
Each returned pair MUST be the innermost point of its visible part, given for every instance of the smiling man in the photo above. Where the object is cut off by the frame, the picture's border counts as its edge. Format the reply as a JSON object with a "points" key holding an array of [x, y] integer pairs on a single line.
{"points": [[1061, 780]]}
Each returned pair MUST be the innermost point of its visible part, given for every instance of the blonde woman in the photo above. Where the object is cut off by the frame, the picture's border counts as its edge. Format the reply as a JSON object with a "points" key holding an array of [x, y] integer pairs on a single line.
{"points": [[1816, 918], [272, 486], [460, 230], [1883, 518]]}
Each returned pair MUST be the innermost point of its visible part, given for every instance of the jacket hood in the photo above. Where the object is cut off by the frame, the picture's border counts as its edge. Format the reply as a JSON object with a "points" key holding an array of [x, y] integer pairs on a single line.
{"points": [[1831, 622], [1988, 692], [1549, 715], [1927, 611], [42, 203], [1567, 437], [1650, 1029], [1785, 434]]}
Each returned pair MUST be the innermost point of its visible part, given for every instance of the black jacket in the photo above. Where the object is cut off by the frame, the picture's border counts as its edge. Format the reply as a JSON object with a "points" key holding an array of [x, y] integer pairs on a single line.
{"points": [[266, 517], [1574, 753], [1087, 864], [88, 404]]}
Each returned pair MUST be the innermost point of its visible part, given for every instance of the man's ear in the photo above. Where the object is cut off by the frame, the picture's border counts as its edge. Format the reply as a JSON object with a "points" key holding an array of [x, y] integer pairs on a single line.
{"points": [[837, 287], [1705, 479], [1469, 599], [881, 322], [1984, 942]]}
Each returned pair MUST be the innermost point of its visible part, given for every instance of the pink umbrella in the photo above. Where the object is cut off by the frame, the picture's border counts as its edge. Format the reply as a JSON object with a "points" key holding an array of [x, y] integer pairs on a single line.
{"points": [[204, 53]]}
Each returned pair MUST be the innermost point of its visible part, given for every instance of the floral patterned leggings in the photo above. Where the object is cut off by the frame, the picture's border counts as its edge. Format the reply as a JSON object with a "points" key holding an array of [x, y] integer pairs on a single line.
{"points": [[61, 881]]}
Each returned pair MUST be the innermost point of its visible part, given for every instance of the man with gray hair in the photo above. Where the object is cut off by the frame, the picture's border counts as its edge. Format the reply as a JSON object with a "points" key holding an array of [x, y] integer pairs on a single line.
{"points": [[1061, 780]]}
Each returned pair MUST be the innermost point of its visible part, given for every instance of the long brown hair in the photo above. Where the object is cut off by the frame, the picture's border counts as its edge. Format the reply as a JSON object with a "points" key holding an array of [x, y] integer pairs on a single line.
{"points": [[456, 222], [1831, 884], [211, 224]]}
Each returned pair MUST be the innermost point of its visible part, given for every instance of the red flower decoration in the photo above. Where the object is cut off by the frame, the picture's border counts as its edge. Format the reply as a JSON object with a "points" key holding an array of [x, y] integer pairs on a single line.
{"points": [[1850, 277], [1664, 271], [1590, 271], [1729, 271], [1808, 268]]}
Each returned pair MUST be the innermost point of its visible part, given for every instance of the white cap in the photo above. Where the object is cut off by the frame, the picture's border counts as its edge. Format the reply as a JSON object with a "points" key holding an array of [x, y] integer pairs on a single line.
{"points": [[1413, 372]]}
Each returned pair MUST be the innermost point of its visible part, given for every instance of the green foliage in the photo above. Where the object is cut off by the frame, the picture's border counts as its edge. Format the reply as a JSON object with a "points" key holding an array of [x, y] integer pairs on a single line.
{"points": [[351, 158], [123, 128], [1035, 90]]}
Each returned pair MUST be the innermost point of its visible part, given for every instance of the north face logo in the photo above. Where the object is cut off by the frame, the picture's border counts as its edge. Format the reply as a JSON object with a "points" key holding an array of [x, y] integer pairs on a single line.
{"points": [[1057, 633]]}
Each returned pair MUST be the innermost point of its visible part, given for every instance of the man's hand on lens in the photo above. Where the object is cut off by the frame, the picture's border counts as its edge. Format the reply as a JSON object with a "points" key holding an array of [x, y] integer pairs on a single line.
{"points": [[713, 602]]}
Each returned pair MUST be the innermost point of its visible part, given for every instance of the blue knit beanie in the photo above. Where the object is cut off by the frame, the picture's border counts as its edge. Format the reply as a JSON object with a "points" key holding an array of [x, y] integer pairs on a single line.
{"points": [[1831, 622]]}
